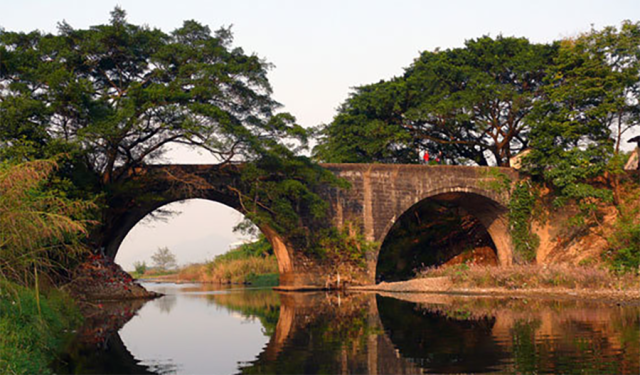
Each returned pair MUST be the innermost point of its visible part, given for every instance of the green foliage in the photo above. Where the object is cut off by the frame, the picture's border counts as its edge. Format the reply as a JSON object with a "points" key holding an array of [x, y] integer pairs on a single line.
{"points": [[495, 180], [119, 94], [591, 95], [264, 280], [368, 128], [250, 263], [116, 96], [32, 327], [463, 102], [140, 267], [624, 251], [259, 248], [247, 264], [346, 244], [521, 207], [282, 194]]}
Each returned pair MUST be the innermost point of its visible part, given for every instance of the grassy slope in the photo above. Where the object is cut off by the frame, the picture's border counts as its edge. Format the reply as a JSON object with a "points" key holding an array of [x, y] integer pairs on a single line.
{"points": [[31, 328]]}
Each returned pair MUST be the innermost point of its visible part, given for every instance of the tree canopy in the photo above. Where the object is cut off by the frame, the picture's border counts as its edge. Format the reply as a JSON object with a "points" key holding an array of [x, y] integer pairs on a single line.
{"points": [[114, 97], [591, 99], [469, 103], [489, 100], [118, 94]]}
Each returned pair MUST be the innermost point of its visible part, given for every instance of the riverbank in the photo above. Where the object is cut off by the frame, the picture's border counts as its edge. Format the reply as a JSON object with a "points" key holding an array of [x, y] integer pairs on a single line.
{"points": [[256, 280], [249, 264], [552, 281], [33, 325]]}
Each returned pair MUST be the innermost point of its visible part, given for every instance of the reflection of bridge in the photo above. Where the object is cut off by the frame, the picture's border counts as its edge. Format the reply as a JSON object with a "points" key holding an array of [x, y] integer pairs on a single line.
{"points": [[420, 333], [378, 196]]}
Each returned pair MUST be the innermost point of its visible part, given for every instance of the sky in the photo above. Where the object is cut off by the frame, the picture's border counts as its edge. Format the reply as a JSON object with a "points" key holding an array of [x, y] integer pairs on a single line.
{"points": [[320, 51]]}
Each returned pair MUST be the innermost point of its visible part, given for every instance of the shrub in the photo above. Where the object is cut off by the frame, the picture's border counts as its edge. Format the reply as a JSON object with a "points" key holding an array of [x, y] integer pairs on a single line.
{"points": [[624, 252]]}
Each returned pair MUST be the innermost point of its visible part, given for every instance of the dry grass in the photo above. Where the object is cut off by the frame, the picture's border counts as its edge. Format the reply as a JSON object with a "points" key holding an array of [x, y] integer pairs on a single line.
{"points": [[226, 271], [534, 276]]}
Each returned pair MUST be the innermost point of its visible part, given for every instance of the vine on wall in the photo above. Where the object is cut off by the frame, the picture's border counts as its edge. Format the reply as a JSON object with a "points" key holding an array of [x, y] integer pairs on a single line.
{"points": [[521, 208]]}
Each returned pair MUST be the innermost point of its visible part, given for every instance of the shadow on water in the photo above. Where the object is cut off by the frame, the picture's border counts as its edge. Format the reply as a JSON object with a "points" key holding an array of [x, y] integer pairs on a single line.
{"points": [[441, 342], [401, 334]]}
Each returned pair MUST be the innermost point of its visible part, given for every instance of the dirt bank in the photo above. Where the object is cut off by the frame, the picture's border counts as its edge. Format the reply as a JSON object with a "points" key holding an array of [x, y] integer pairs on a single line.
{"points": [[100, 279], [444, 285]]}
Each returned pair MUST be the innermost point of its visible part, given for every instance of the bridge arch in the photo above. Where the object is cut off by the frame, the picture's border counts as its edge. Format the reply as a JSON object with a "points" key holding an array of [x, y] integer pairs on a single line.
{"points": [[133, 216], [481, 203], [437, 207]]}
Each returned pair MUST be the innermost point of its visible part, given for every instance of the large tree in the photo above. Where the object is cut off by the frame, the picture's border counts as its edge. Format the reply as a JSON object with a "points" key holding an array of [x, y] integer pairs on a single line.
{"points": [[470, 103], [592, 93], [119, 94], [369, 128], [473, 102]]}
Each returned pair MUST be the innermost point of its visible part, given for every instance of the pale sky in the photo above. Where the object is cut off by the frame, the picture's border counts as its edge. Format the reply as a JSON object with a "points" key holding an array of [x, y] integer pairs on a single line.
{"points": [[320, 50]]}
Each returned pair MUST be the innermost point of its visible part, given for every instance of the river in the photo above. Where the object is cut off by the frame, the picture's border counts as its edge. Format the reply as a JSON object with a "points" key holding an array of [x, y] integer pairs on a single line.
{"points": [[200, 329]]}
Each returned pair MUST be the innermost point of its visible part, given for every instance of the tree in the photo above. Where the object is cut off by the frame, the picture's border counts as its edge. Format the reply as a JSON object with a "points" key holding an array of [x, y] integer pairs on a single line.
{"points": [[369, 128], [470, 103], [164, 259], [140, 267], [119, 94], [591, 99]]}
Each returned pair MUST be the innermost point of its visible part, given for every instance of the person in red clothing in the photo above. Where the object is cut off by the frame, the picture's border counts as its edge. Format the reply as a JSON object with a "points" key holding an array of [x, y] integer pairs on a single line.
{"points": [[426, 157]]}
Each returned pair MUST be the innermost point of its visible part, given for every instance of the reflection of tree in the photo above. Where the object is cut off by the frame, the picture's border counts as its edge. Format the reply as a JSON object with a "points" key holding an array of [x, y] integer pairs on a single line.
{"points": [[166, 303], [536, 335], [328, 333], [262, 304]]}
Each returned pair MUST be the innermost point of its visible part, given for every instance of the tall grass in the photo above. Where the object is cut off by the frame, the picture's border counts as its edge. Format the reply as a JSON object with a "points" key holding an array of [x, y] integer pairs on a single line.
{"points": [[40, 234], [249, 263], [230, 270], [40, 229]]}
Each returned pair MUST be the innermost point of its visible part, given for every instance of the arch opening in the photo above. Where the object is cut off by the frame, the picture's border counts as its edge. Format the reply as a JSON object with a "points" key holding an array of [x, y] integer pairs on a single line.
{"points": [[203, 230], [443, 230]]}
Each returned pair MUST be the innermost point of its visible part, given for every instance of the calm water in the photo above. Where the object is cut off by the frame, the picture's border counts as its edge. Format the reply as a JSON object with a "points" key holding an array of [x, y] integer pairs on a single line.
{"points": [[199, 330]]}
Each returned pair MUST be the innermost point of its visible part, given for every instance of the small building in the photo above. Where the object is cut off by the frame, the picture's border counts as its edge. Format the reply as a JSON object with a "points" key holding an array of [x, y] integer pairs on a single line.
{"points": [[634, 160]]}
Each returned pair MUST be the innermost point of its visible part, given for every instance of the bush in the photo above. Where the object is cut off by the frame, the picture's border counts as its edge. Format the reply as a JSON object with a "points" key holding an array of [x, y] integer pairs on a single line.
{"points": [[624, 253], [140, 267]]}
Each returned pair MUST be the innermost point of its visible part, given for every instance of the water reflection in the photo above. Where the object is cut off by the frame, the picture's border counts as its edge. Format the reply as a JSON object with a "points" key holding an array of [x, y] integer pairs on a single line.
{"points": [[199, 330]]}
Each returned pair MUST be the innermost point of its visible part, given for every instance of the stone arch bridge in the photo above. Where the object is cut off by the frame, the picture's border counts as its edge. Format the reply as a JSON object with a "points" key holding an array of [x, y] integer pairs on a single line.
{"points": [[379, 195]]}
